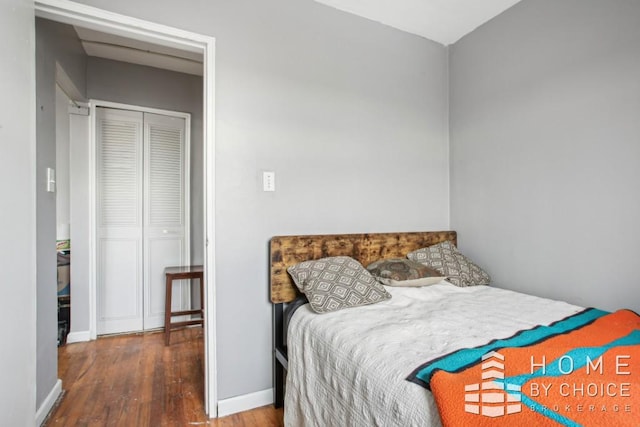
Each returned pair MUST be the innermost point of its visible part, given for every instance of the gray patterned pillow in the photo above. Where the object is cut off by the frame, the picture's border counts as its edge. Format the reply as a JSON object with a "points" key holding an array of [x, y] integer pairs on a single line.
{"points": [[335, 283], [446, 258], [404, 272]]}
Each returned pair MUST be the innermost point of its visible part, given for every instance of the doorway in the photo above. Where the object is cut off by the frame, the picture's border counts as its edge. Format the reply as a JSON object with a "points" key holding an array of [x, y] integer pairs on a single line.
{"points": [[124, 26]]}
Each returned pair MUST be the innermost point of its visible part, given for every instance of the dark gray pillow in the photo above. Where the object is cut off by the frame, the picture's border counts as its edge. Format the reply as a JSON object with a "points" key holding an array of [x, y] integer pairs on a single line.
{"points": [[446, 258], [404, 272], [334, 283]]}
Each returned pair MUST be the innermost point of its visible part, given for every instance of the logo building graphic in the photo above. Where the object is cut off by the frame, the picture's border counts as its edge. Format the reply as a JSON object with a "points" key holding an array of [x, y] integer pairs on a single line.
{"points": [[492, 397]]}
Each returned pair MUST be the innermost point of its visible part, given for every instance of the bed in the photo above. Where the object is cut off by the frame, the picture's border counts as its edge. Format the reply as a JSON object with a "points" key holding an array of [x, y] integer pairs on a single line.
{"points": [[366, 366]]}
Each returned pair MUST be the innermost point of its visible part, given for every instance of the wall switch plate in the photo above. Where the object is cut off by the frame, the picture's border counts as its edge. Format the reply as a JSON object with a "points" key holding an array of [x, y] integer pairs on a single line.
{"points": [[51, 180], [269, 181]]}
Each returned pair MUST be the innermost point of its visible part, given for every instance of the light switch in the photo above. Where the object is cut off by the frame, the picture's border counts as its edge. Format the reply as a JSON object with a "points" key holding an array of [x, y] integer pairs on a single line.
{"points": [[269, 181], [51, 180]]}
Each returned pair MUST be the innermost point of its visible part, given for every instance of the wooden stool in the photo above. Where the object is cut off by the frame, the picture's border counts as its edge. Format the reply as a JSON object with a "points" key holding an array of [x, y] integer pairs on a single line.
{"points": [[180, 273]]}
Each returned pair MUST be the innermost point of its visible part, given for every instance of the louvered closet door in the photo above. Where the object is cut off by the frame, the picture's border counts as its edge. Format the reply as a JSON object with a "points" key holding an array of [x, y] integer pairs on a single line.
{"points": [[143, 216], [119, 233], [165, 214]]}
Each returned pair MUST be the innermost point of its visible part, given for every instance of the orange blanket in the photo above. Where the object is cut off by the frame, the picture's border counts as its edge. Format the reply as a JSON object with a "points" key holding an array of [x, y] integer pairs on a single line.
{"points": [[581, 371]]}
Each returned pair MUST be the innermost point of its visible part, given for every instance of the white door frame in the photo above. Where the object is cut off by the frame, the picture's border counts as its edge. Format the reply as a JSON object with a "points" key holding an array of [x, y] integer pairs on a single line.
{"points": [[72, 13]]}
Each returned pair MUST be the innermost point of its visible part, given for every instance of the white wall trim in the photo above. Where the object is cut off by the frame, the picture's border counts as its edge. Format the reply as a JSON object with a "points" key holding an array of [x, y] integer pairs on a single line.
{"points": [[79, 336], [209, 119], [94, 103], [93, 245], [93, 18], [245, 402], [48, 403]]}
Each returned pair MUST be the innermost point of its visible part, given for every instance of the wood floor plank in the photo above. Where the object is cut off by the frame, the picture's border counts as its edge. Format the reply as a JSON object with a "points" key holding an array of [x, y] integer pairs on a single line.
{"points": [[135, 380]]}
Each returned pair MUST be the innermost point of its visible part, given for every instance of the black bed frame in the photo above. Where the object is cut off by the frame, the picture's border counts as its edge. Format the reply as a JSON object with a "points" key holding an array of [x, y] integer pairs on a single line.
{"points": [[281, 317], [280, 357]]}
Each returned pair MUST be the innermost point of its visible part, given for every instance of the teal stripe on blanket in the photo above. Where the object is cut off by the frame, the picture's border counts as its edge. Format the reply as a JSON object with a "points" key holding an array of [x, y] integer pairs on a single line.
{"points": [[460, 359]]}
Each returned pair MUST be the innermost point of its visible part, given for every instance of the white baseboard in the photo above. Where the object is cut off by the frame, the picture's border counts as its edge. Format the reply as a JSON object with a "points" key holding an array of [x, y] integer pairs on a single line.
{"points": [[48, 403], [80, 336], [245, 402]]}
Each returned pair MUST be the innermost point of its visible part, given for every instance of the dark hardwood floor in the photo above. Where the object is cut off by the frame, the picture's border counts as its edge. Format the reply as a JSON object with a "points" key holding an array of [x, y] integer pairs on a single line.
{"points": [[134, 380]]}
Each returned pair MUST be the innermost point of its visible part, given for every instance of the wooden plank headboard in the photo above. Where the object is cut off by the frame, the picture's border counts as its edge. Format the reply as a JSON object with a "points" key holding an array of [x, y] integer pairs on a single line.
{"points": [[366, 248]]}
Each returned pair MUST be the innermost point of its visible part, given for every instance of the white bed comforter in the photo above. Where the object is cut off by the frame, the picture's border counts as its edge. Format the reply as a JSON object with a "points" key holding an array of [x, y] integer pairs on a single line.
{"points": [[349, 368]]}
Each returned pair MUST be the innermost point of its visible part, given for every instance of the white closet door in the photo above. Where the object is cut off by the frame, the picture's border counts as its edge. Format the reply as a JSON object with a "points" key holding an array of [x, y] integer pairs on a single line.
{"points": [[165, 214], [119, 233]]}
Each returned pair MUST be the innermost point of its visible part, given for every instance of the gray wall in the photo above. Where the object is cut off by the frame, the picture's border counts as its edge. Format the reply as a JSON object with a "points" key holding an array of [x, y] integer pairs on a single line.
{"points": [[352, 117], [53, 43], [151, 87], [545, 148], [18, 214]]}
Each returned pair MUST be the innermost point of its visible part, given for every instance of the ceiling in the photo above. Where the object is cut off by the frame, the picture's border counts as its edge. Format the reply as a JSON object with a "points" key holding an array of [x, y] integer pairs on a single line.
{"points": [[118, 48], [443, 21]]}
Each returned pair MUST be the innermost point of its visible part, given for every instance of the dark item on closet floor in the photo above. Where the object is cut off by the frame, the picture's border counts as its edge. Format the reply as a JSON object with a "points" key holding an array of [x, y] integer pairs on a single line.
{"points": [[63, 331], [64, 319]]}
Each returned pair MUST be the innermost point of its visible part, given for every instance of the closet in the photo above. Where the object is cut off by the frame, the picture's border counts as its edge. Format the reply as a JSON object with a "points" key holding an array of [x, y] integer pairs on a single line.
{"points": [[142, 206]]}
